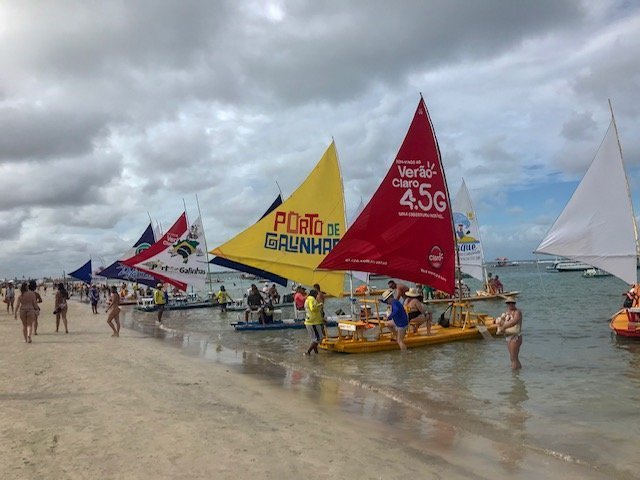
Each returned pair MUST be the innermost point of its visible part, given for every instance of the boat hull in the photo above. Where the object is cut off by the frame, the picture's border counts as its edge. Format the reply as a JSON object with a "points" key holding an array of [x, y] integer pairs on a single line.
{"points": [[385, 342], [187, 306], [276, 325], [475, 298], [626, 323]]}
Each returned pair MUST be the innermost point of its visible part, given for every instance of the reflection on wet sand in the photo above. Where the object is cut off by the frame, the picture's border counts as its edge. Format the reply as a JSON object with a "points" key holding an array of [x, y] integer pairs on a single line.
{"points": [[512, 449]]}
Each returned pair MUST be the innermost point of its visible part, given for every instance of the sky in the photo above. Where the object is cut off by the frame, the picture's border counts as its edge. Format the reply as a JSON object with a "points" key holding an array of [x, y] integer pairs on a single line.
{"points": [[112, 113]]}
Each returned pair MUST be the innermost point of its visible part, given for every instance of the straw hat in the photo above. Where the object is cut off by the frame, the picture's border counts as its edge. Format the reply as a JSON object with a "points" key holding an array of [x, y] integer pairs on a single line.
{"points": [[386, 295], [509, 300], [413, 292]]}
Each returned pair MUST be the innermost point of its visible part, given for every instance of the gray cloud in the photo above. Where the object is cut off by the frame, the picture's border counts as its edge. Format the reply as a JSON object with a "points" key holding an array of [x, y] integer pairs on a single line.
{"points": [[112, 110]]}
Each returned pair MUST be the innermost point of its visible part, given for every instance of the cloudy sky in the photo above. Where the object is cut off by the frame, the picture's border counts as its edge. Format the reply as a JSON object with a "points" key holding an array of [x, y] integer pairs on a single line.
{"points": [[111, 112]]}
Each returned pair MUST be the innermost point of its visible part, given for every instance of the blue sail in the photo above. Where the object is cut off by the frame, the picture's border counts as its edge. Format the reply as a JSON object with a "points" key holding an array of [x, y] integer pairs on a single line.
{"points": [[241, 267], [83, 273], [123, 272]]}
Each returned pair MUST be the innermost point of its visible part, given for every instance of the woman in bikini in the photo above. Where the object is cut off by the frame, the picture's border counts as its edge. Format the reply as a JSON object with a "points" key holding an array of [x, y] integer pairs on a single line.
{"points": [[33, 286], [61, 307], [510, 323], [113, 311], [27, 305], [417, 311]]}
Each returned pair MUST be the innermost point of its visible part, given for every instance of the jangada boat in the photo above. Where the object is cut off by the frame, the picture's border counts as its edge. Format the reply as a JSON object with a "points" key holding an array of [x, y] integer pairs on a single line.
{"points": [[602, 233], [295, 236], [417, 244], [178, 259]]}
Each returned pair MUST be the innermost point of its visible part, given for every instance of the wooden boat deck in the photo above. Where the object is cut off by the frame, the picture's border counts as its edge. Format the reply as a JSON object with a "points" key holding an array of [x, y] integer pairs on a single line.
{"points": [[369, 335]]}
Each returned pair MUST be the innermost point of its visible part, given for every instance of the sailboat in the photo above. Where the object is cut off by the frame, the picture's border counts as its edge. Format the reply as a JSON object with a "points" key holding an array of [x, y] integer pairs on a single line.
{"points": [[405, 231], [241, 267], [120, 271], [469, 243], [83, 273], [600, 233], [292, 240], [178, 259]]}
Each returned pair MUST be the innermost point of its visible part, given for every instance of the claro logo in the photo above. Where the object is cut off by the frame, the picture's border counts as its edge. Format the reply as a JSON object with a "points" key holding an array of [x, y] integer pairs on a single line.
{"points": [[436, 257]]}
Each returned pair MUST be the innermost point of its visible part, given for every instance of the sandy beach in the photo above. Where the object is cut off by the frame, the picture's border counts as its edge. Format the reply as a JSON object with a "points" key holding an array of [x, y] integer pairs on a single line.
{"points": [[86, 405]]}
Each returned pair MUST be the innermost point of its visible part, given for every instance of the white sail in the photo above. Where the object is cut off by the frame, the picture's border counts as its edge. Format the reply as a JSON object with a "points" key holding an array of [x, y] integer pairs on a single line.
{"points": [[597, 226], [467, 234], [177, 258]]}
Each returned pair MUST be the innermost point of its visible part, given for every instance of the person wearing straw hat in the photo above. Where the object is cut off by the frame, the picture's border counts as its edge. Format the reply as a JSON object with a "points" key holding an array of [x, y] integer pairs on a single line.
{"points": [[397, 320], [160, 301], [417, 311], [510, 323]]}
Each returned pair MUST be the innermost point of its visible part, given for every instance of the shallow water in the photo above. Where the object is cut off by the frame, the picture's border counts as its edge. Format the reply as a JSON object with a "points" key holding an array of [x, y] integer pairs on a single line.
{"points": [[574, 401]]}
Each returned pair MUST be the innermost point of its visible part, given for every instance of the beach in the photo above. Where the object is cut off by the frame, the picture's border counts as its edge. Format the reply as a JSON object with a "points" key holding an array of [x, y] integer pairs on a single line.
{"points": [[87, 405]]}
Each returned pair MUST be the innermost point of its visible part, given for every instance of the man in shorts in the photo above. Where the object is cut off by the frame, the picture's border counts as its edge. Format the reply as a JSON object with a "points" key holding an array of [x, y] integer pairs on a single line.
{"points": [[397, 320], [314, 322], [160, 300]]}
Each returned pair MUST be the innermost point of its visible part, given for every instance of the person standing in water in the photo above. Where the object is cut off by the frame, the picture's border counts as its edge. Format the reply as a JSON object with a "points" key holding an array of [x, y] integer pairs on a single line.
{"points": [[160, 300], [398, 321], [113, 311], [313, 320], [510, 322]]}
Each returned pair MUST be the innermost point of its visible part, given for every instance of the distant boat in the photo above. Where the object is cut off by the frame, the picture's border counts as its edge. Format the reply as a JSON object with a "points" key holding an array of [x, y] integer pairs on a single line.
{"points": [[595, 272], [568, 266], [505, 262]]}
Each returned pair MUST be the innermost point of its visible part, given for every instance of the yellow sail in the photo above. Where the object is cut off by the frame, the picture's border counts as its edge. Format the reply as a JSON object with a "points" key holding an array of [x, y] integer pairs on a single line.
{"points": [[292, 240]]}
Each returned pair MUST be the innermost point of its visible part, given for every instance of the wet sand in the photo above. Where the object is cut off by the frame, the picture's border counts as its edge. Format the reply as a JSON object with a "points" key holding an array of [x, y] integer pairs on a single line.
{"points": [[86, 405]]}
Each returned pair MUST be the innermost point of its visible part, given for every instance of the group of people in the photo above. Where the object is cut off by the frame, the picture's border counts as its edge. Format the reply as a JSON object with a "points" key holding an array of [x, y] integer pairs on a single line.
{"points": [[494, 285], [406, 310], [27, 307]]}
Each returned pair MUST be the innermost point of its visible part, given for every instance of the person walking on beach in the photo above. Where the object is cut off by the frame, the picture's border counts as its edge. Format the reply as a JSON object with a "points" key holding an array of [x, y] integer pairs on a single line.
{"points": [[27, 305], [113, 311], [33, 287], [61, 307], [10, 296], [160, 301], [510, 322], [397, 320], [94, 297], [313, 320]]}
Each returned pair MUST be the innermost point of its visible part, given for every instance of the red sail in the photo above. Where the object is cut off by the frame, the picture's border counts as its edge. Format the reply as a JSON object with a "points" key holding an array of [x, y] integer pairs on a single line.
{"points": [[177, 230], [405, 231]]}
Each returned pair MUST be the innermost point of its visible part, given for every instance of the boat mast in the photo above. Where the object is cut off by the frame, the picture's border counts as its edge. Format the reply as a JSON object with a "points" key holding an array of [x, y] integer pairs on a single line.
{"points": [[458, 272], [633, 215], [206, 249]]}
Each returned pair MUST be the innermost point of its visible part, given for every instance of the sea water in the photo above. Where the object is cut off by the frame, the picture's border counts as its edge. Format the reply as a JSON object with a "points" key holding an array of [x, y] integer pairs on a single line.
{"points": [[575, 400]]}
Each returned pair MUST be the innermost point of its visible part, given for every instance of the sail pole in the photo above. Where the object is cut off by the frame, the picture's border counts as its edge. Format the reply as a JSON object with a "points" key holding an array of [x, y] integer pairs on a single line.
{"points": [[633, 215], [446, 189], [206, 248]]}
